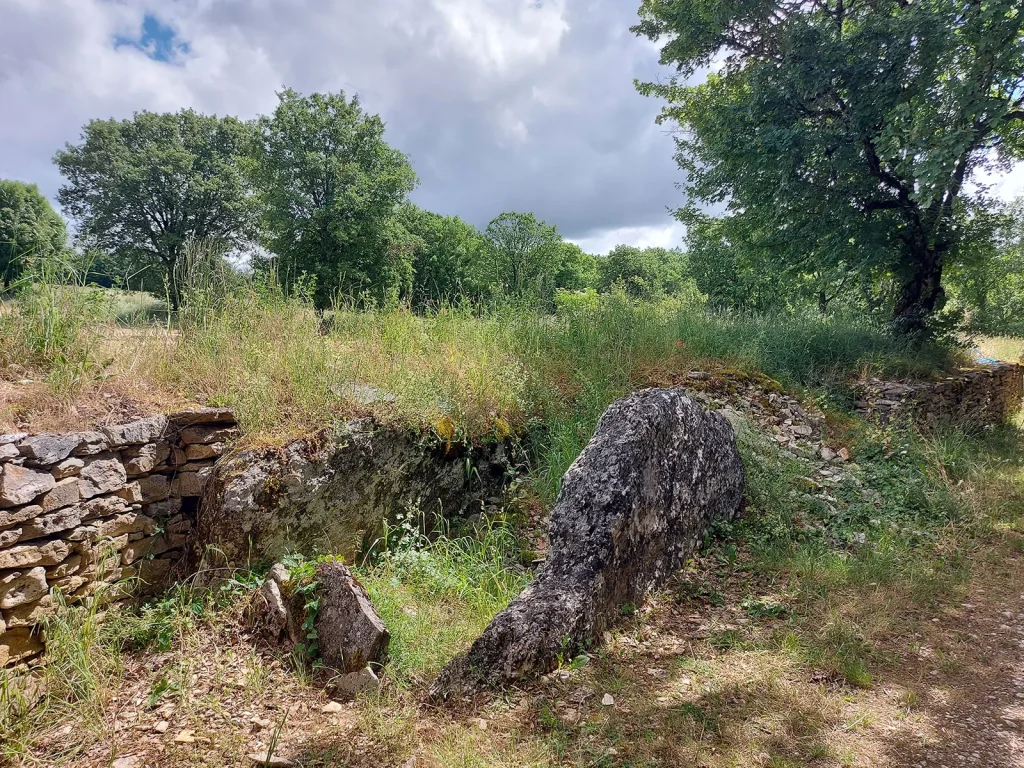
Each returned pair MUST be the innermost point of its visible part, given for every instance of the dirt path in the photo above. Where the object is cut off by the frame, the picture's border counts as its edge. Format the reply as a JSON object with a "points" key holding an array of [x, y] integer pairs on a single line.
{"points": [[973, 711]]}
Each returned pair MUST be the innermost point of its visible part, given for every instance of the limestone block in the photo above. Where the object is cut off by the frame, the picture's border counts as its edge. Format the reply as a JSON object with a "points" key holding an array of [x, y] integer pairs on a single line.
{"points": [[154, 571], [21, 587], [10, 517], [67, 568], [48, 449], [136, 432], [55, 522], [68, 468], [17, 645], [30, 614], [154, 488], [200, 451], [131, 493], [141, 460], [189, 484], [12, 437], [10, 536], [162, 510], [9, 451], [102, 474], [138, 549], [184, 419], [24, 555], [351, 634], [64, 494], [91, 443], [21, 485], [207, 435]]}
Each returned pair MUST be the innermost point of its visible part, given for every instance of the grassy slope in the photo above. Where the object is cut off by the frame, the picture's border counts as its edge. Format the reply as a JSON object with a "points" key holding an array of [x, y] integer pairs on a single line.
{"points": [[782, 645]]}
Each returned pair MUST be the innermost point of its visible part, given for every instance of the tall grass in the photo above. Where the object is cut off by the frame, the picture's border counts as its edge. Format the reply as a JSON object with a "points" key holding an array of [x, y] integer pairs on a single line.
{"points": [[50, 328]]}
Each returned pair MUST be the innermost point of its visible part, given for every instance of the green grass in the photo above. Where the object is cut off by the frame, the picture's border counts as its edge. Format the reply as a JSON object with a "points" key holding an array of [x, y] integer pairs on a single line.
{"points": [[437, 595]]}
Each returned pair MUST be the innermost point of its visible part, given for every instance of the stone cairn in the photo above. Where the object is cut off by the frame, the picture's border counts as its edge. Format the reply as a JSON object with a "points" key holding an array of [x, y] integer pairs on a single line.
{"points": [[109, 507], [977, 397]]}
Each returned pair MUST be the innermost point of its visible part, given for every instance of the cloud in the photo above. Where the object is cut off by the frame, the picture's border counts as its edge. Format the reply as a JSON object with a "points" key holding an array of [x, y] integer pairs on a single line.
{"points": [[500, 104]]}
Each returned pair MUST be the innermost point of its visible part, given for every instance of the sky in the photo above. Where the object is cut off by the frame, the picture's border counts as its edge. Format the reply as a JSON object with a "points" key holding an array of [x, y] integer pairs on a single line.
{"points": [[524, 105]]}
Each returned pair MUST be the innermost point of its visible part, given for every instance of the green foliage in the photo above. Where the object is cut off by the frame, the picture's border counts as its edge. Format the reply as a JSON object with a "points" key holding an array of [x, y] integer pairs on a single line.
{"points": [[987, 283], [29, 229], [523, 255], [51, 326], [644, 272], [843, 133], [142, 188], [436, 593], [331, 189], [448, 258]]}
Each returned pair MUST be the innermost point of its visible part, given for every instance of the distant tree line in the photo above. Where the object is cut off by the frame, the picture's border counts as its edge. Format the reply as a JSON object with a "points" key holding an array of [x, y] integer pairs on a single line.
{"points": [[312, 193]]}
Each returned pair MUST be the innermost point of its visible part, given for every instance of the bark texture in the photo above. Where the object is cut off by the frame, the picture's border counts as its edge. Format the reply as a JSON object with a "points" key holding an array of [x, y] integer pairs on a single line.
{"points": [[634, 507]]}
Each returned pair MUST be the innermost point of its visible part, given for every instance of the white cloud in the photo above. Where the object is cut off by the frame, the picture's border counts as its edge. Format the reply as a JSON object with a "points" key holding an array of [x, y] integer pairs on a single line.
{"points": [[501, 104], [668, 236]]}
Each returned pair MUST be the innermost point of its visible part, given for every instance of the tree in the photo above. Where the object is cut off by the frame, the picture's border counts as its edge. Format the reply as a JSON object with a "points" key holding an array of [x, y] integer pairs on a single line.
{"points": [[331, 189], [29, 227], [448, 257], [987, 284], [846, 127], [143, 188], [576, 270], [523, 256], [643, 272]]}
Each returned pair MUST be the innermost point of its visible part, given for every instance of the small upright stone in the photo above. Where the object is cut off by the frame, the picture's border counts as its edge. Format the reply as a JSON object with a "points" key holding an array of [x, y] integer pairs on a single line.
{"points": [[63, 494], [351, 634]]}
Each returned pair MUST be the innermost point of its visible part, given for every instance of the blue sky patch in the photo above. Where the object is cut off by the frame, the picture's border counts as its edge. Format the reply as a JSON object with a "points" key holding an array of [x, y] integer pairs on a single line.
{"points": [[156, 39]]}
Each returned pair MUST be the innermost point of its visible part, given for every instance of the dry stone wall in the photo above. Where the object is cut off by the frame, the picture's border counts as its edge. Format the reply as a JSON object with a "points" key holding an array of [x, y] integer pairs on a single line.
{"points": [[113, 506], [976, 397]]}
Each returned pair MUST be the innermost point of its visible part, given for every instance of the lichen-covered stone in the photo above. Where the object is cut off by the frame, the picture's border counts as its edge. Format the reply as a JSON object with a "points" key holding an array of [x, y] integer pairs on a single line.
{"points": [[332, 497], [48, 449], [633, 508], [21, 485], [22, 587], [101, 474], [139, 432], [350, 633]]}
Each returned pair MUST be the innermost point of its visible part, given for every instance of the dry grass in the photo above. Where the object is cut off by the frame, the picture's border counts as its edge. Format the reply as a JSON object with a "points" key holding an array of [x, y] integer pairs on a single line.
{"points": [[1001, 348]]}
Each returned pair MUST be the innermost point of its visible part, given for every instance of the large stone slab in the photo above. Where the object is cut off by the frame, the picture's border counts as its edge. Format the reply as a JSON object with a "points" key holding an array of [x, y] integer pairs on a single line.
{"points": [[333, 495], [633, 508], [101, 474], [139, 432]]}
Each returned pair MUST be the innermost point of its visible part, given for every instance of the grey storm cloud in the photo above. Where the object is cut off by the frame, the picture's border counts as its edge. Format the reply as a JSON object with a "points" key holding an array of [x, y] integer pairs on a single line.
{"points": [[500, 104]]}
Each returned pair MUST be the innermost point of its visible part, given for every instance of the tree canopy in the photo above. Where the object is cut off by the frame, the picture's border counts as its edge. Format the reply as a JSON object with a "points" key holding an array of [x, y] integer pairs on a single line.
{"points": [[643, 272], [331, 189], [29, 227], [142, 188], [844, 131]]}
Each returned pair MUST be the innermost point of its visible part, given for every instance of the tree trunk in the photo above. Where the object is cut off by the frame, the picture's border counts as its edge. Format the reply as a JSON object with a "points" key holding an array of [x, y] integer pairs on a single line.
{"points": [[921, 294], [822, 303]]}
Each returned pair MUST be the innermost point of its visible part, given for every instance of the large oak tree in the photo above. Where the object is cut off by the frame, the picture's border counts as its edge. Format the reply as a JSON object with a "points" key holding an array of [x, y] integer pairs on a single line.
{"points": [[845, 131], [141, 189]]}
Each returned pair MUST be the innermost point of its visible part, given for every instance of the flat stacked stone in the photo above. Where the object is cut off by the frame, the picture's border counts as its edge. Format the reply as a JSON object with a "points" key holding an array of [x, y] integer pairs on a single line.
{"points": [[86, 509]]}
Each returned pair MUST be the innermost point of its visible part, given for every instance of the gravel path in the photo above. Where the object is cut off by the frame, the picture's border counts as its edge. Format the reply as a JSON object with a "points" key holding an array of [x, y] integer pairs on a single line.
{"points": [[979, 717]]}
